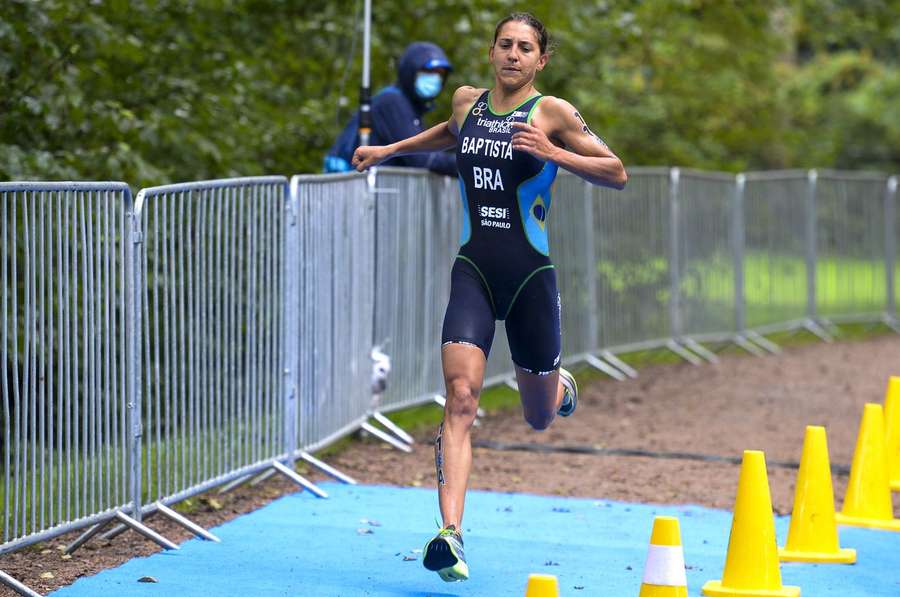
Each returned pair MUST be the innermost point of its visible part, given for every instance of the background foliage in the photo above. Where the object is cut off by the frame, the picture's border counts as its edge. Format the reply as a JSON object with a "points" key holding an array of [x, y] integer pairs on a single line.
{"points": [[155, 91]]}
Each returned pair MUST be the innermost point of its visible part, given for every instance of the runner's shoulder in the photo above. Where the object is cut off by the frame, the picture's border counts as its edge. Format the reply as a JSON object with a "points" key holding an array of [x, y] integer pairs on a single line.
{"points": [[553, 114], [553, 106], [465, 96]]}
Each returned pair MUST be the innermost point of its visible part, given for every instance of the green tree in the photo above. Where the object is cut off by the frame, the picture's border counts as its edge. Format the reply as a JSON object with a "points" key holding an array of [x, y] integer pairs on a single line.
{"points": [[155, 91]]}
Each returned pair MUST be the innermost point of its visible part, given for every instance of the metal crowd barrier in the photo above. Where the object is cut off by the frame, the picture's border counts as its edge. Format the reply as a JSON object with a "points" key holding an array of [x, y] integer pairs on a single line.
{"points": [[216, 330], [632, 240], [776, 254], [850, 246], [417, 236], [69, 357], [334, 262], [570, 222], [211, 328], [704, 262]]}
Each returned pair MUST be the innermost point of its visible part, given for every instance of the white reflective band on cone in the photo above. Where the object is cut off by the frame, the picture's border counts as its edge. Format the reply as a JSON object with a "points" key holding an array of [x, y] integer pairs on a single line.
{"points": [[665, 566]]}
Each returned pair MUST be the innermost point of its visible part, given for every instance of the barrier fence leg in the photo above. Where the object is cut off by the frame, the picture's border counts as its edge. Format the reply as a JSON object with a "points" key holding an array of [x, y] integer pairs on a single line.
{"points": [[262, 477], [892, 323], [604, 367], [386, 437], [682, 352], [12, 583], [188, 524], [145, 531], [234, 483], [298, 479], [393, 428], [700, 350], [86, 536], [815, 329], [619, 364], [742, 341], [763, 341], [328, 470], [127, 521], [121, 528]]}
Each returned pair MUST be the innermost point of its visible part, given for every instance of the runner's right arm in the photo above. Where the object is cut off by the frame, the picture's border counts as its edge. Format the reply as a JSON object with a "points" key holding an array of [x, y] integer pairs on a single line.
{"points": [[437, 138]]}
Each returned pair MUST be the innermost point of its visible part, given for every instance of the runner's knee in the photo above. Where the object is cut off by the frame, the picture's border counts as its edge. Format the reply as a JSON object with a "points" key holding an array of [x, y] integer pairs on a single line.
{"points": [[462, 401], [539, 420]]}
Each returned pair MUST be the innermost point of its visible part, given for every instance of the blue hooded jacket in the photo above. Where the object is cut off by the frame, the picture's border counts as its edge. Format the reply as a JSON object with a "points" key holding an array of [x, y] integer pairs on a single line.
{"points": [[397, 114]]}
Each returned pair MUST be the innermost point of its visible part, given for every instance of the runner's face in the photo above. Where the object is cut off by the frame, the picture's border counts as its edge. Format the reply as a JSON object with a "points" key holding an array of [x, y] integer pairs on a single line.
{"points": [[516, 55]]}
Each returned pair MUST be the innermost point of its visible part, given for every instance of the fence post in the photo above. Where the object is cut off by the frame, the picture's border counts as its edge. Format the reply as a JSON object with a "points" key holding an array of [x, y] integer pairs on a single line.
{"points": [[134, 284], [674, 262], [890, 244], [738, 241], [593, 323], [372, 187], [811, 220], [290, 333]]}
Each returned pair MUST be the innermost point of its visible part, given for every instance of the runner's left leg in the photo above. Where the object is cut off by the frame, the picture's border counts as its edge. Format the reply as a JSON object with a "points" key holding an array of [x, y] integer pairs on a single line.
{"points": [[541, 396]]}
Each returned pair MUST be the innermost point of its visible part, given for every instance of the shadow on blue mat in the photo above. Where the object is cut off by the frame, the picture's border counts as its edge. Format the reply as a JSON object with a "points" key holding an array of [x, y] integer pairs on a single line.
{"points": [[367, 540]]}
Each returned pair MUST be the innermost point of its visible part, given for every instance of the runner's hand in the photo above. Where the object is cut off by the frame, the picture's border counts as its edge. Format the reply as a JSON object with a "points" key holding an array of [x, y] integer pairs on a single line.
{"points": [[367, 156], [534, 141]]}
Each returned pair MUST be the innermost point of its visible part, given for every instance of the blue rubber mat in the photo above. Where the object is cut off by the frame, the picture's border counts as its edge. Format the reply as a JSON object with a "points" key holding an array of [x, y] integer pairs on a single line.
{"points": [[360, 541]]}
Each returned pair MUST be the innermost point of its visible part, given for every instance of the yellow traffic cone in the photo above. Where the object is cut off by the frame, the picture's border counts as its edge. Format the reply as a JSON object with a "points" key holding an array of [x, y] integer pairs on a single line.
{"points": [[664, 571], [868, 499], [542, 585], [892, 431], [751, 565], [813, 535]]}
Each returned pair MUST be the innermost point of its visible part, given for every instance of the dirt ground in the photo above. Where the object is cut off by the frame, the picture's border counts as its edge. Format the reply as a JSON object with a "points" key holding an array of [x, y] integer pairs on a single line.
{"points": [[740, 403]]}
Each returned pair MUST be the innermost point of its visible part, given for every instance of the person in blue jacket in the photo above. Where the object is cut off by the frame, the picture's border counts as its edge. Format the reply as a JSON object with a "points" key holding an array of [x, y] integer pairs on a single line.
{"points": [[397, 112]]}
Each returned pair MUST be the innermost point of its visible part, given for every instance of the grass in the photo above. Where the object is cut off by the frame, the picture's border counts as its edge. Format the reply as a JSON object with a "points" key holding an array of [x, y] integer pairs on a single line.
{"points": [[775, 287], [769, 280]]}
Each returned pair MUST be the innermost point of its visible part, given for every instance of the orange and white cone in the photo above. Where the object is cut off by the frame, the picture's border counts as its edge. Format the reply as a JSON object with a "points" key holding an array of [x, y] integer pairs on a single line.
{"points": [[664, 574]]}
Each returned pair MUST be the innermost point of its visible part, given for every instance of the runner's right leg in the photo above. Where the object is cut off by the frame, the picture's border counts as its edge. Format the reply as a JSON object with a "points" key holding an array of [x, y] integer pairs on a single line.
{"points": [[463, 375], [466, 338]]}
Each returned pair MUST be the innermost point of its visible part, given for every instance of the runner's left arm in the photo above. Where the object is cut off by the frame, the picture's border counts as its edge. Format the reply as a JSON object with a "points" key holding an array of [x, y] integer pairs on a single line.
{"points": [[578, 150]]}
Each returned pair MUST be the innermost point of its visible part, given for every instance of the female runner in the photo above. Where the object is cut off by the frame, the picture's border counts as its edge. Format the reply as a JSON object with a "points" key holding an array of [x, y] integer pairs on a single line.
{"points": [[510, 140]]}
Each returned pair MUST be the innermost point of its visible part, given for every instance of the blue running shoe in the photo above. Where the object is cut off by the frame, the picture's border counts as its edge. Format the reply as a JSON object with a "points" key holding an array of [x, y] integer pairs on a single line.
{"points": [[570, 395], [444, 554]]}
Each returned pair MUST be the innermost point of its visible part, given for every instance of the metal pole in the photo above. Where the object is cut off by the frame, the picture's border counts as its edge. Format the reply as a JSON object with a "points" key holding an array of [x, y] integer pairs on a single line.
{"points": [[21, 589], [812, 177], [674, 273], [292, 260], [134, 283], [890, 244], [594, 310], [738, 241], [365, 108]]}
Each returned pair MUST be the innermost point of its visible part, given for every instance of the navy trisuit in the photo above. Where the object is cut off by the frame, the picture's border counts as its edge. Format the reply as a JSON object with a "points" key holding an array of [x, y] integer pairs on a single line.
{"points": [[503, 270]]}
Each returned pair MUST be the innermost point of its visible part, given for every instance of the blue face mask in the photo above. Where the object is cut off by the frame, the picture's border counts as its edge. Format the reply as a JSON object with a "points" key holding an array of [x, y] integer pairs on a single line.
{"points": [[428, 85]]}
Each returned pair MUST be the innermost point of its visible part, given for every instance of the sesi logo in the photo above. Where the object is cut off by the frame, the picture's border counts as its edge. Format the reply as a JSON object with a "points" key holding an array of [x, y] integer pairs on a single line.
{"points": [[501, 213], [494, 217]]}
